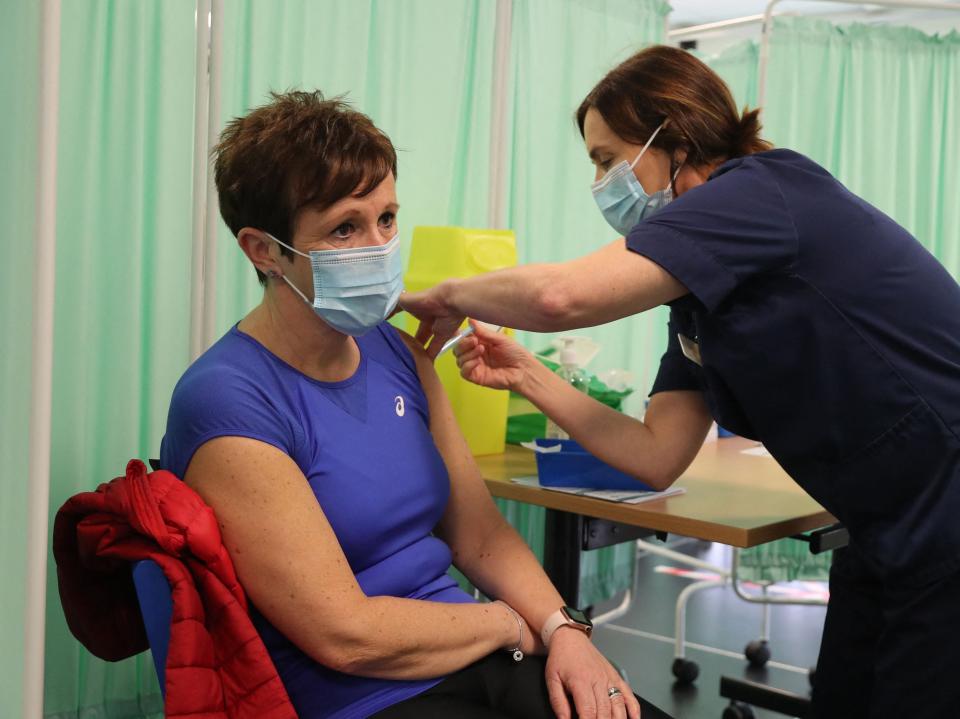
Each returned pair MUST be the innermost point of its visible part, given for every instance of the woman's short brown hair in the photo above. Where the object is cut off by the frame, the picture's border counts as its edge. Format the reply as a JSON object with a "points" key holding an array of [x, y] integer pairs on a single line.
{"points": [[299, 150], [661, 83]]}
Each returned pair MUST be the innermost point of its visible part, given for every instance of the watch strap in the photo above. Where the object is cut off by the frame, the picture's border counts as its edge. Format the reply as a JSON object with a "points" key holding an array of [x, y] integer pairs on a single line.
{"points": [[556, 620]]}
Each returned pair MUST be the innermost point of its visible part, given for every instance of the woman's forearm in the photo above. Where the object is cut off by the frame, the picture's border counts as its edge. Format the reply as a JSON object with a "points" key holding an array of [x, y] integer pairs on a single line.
{"points": [[394, 638], [503, 567]]}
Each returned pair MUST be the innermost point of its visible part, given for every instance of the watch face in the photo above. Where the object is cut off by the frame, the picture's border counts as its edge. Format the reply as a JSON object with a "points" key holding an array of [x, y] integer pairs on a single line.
{"points": [[578, 616]]}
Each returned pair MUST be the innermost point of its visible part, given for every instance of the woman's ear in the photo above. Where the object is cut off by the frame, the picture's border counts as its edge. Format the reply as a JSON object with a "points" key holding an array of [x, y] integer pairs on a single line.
{"points": [[256, 245]]}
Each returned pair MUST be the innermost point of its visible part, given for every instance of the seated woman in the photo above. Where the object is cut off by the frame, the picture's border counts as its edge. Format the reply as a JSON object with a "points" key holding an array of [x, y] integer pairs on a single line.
{"points": [[323, 441]]}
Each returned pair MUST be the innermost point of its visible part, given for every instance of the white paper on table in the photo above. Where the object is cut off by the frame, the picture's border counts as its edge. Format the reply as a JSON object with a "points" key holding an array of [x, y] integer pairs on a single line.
{"points": [[758, 451], [609, 495]]}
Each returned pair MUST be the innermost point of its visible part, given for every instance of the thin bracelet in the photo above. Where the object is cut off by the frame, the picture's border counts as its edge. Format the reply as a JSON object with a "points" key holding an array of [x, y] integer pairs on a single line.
{"points": [[517, 653]]}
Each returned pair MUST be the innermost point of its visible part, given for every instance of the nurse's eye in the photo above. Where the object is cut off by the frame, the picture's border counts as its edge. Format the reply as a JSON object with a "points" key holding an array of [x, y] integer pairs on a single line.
{"points": [[344, 231], [387, 219], [604, 164]]}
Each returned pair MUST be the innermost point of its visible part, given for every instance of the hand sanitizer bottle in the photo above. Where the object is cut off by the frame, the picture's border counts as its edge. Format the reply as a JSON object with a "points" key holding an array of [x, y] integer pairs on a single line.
{"points": [[570, 371]]}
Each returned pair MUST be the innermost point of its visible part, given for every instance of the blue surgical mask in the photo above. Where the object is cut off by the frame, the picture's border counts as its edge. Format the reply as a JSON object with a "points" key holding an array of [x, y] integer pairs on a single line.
{"points": [[354, 289], [622, 199]]}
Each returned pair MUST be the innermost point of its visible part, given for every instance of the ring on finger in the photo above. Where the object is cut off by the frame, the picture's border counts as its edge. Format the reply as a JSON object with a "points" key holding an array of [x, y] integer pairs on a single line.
{"points": [[614, 692]]}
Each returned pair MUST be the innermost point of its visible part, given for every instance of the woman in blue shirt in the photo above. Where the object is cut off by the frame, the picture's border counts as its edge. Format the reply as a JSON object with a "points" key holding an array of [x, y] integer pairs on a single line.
{"points": [[801, 316], [323, 441]]}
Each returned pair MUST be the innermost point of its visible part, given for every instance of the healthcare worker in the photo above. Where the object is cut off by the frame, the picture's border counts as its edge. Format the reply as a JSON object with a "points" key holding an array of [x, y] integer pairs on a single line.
{"points": [[801, 316]]}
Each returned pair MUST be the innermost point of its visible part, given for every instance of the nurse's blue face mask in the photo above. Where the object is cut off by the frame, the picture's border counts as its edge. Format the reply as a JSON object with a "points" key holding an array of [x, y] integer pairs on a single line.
{"points": [[354, 289], [622, 199]]}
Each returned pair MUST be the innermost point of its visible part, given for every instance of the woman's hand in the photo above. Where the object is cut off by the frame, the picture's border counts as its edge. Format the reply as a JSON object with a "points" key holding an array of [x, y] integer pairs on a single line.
{"points": [[492, 360], [576, 668], [437, 318]]}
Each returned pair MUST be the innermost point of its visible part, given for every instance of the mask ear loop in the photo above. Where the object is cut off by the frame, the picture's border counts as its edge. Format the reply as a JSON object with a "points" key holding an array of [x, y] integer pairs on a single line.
{"points": [[649, 142], [673, 180]]}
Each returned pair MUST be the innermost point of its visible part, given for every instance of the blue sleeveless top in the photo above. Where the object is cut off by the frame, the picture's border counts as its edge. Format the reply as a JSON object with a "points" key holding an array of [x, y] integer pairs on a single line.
{"points": [[365, 447]]}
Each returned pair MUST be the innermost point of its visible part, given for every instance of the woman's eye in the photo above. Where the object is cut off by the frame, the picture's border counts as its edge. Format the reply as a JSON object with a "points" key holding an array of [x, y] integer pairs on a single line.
{"points": [[605, 165], [387, 219], [344, 231]]}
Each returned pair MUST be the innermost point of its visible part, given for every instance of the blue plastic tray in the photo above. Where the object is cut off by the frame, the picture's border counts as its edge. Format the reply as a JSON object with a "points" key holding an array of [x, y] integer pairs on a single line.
{"points": [[573, 466]]}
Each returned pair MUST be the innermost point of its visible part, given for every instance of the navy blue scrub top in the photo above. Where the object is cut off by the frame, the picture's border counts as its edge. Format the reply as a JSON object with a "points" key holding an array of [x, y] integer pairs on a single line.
{"points": [[819, 326]]}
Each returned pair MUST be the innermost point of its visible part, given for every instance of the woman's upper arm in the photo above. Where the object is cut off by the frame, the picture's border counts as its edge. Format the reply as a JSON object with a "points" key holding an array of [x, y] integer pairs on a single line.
{"points": [[470, 514], [287, 557], [606, 285]]}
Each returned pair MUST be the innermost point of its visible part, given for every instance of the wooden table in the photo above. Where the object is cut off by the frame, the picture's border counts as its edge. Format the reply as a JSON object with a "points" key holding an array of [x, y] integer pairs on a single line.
{"points": [[733, 498]]}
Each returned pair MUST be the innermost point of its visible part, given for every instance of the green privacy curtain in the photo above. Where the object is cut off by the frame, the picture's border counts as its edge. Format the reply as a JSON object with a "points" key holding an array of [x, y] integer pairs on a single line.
{"points": [[20, 49], [422, 70], [123, 285], [738, 66]]}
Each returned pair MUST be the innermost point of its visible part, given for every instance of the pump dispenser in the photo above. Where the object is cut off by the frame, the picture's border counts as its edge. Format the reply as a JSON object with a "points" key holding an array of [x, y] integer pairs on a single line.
{"points": [[571, 373]]}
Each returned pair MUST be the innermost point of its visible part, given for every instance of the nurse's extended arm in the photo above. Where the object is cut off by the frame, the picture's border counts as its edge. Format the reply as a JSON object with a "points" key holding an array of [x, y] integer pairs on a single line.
{"points": [[608, 284], [655, 450]]}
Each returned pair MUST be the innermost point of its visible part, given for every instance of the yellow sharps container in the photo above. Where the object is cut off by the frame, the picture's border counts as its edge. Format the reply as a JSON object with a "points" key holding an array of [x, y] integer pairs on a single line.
{"points": [[436, 254]]}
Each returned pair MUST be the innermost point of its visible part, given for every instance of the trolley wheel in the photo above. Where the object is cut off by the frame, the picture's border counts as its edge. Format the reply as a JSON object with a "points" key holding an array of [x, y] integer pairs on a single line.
{"points": [[738, 710], [685, 670], [757, 653]]}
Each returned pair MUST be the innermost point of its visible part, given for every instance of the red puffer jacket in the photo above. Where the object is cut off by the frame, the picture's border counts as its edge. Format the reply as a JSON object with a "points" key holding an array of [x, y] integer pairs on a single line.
{"points": [[217, 666]]}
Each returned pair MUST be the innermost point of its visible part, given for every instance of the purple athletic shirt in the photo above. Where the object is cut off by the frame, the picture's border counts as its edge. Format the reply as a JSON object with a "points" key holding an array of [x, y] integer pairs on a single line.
{"points": [[365, 447]]}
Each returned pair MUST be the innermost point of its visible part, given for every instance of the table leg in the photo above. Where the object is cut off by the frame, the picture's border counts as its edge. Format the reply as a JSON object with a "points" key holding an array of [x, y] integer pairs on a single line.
{"points": [[563, 535]]}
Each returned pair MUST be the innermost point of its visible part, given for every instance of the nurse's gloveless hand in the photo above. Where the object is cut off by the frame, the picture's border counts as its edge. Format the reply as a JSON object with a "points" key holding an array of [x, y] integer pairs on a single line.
{"points": [[437, 319], [491, 359]]}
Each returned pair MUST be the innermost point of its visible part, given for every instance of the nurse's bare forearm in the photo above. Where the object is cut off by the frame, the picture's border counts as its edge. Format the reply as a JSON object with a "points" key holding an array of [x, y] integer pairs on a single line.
{"points": [[605, 285], [655, 451], [528, 297]]}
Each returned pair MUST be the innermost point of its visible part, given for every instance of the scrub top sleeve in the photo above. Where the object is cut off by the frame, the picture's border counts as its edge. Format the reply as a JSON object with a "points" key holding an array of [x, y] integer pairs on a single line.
{"points": [[676, 371], [719, 235]]}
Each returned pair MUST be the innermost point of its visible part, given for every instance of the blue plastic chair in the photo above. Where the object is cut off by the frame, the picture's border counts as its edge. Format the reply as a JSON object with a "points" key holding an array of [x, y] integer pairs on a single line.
{"points": [[156, 606]]}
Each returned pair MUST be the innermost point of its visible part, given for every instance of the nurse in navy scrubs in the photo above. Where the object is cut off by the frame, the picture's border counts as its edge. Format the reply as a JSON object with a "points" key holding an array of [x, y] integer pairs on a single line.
{"points": [[801, 316]]}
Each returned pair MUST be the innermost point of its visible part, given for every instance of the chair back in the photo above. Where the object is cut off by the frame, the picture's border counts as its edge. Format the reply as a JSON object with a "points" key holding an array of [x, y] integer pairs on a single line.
{"points": [[156, 606]]}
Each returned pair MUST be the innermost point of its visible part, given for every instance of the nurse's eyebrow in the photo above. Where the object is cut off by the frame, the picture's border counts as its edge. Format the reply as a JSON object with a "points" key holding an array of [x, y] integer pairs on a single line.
{"points": [[596, 151]]}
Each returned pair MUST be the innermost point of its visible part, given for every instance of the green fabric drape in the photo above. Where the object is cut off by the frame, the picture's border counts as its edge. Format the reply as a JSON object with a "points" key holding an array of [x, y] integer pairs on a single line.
{"points": [[20, 49], [123, 285]]}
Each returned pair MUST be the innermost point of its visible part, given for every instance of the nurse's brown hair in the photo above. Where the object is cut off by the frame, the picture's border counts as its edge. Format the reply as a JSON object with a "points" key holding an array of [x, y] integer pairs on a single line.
{"points": [[660, 83]]}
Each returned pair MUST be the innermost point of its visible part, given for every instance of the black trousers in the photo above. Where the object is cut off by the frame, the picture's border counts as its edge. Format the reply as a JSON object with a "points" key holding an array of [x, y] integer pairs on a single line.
{"points": [[888, 651], [496, 687]]}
